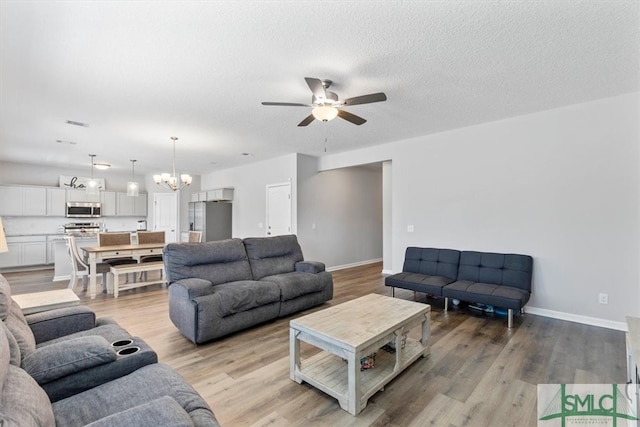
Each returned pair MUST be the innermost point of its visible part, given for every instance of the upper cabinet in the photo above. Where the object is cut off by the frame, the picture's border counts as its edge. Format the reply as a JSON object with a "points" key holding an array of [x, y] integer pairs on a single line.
{"points": [[218, 195], [82, 196], [131, 206], [108, 200], [18, 200], [23, 201], [56, 198]]}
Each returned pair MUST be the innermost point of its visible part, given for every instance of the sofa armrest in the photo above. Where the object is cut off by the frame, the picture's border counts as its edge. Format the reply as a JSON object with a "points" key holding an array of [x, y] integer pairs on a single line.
{"points": [[310, 267], [51, 324], [54, 361], [192, 288], [163, 411]]}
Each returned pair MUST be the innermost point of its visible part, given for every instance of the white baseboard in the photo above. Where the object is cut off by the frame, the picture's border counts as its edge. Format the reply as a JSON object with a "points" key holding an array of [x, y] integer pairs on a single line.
{"points": [[355, 264], [387, 272], [586, 320]]}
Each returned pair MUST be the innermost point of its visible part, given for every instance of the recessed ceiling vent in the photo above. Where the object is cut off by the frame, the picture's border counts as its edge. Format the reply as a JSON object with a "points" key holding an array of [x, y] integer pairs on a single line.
{"points": [[74, 123]]}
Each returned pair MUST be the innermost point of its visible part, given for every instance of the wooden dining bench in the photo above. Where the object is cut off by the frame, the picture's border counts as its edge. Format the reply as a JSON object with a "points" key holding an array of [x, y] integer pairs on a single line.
{"points": [[113, 277]]}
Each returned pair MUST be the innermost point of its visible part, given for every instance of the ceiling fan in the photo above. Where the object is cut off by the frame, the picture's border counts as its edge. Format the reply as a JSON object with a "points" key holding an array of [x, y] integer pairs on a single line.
{"points": [[326, 105]]}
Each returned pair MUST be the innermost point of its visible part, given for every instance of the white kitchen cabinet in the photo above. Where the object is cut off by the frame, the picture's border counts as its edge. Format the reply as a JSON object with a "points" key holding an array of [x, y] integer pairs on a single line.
{"points": [[140, 205], [220, 194], [132, 206], [194, 197], [81, 195], [24, 251], [108, 200], [11, 201], [56, 198], [23, 201]]}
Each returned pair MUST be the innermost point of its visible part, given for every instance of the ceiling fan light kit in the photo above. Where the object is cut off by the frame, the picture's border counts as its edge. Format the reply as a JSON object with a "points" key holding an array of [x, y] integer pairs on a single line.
{"points": [[326, 105], [325, 113], [171, 180]]}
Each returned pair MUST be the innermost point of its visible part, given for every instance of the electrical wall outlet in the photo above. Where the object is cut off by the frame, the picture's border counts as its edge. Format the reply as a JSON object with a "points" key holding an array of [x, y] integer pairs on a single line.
{"points": [[410, 228], [603, 298]]}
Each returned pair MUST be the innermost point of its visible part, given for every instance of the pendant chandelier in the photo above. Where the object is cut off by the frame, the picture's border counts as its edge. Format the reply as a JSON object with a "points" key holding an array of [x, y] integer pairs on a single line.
{"points": [[132, 186], [171, 180], [92, 184]]}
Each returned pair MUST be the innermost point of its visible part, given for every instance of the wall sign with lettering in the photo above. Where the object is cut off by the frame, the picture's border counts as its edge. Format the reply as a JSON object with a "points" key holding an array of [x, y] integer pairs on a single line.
{"points": [[79, 182]]}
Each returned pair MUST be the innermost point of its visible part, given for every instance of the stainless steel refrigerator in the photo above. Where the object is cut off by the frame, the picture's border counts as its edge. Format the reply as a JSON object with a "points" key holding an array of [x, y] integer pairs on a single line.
{"points": [[212, 218]]}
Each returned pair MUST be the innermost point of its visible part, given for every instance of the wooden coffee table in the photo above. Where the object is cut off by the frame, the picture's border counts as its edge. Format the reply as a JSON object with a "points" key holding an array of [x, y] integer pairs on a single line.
{"points": [[352, 331]]}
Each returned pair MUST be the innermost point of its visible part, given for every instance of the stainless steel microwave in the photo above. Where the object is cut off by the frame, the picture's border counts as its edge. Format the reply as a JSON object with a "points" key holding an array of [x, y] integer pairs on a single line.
{"points": [[83, 210]]}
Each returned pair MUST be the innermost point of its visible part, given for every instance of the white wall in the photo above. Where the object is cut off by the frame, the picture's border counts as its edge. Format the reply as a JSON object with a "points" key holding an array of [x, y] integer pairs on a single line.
{"points": [[249, 197], [561, 185], [345, 206]]}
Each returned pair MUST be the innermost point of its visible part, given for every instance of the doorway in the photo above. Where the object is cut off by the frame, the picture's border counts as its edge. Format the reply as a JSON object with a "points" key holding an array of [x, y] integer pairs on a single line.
{"points": [[165, 215], [278, 209]]}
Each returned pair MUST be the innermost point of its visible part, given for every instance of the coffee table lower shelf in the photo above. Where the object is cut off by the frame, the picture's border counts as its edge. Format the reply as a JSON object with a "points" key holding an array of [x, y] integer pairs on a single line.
{"points": [[330, 373]]}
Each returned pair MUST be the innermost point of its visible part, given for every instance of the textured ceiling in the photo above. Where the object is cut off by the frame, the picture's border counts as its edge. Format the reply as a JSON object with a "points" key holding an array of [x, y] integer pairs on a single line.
{"points": [[141, 72]]}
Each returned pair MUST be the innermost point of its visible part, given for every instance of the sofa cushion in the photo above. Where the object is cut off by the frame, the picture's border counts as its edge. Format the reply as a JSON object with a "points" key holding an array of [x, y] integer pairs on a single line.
{"points": [[269, 256], [51, 362], [23, 402], [236, 297], [432, 262], [418, 282], [296, 284], [218, 262], [500, 269], [164, 411], [17, 325], [145, 384], [487, 293]]}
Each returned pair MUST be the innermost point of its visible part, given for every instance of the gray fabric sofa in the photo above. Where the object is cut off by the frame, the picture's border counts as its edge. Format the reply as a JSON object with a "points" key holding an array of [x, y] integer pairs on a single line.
{"points": [[154, 395], [94, 382], [67, 350], [218, 288], [496, 279]]}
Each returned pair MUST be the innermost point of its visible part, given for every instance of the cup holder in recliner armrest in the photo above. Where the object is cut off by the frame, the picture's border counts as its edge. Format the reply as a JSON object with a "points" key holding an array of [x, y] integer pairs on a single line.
{"points": [[128, 350], [121, 343]]}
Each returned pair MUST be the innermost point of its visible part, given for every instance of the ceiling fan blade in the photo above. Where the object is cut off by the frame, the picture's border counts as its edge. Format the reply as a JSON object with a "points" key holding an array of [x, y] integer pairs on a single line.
{"points": [[356, 120], [307, 120], [316, 87], [365, 99], [287, 104]]}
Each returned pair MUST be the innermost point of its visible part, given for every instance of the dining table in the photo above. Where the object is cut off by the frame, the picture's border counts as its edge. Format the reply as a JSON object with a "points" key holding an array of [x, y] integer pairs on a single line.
{"points": [[96, 254]]}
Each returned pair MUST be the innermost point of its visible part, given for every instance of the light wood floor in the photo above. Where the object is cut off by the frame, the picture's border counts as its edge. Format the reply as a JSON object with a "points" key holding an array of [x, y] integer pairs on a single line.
{"points": [[479, 372]]}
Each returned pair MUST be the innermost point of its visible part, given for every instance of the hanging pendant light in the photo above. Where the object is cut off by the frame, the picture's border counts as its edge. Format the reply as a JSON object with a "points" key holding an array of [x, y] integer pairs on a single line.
{"points": [[92, 184], [171, 181], [132, 186]]}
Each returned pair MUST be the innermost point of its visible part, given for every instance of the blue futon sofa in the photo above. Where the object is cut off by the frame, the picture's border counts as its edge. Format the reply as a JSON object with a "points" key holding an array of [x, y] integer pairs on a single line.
{"points": [[501, 280]]}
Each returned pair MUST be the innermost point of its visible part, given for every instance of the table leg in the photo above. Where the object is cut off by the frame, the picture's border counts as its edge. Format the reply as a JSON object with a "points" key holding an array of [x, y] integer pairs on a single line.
{"points": [[426, 331], [294, 355], [354, 406], [92, 276]]}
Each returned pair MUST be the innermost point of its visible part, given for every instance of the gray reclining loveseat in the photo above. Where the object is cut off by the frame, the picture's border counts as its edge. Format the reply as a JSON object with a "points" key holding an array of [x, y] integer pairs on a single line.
{"points": [[501, 280], [67, 350], [95, 383], [217, 288]]}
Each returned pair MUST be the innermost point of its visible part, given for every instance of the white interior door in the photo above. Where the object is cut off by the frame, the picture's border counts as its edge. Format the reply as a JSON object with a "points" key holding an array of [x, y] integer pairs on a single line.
{"points": [[165, 215], [278, 209]]}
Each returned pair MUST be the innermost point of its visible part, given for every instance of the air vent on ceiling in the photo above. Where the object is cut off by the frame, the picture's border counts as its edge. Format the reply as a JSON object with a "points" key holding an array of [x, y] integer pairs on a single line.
{"points": [[75, 123]]}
